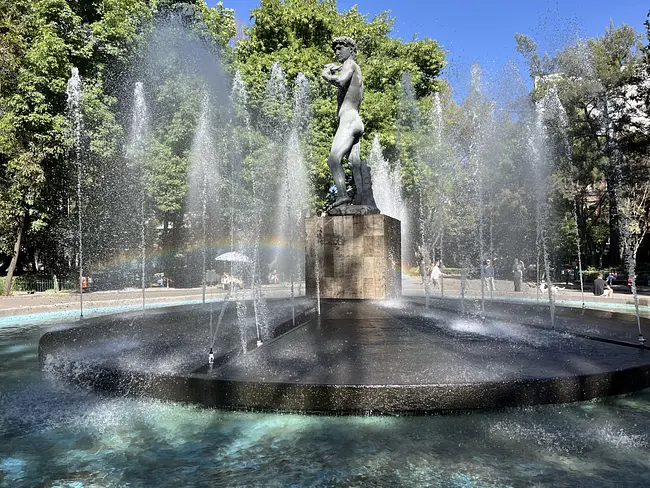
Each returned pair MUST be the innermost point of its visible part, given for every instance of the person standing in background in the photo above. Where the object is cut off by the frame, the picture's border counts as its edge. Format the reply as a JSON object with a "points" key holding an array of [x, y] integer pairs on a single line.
{"points": [[517, 274], [488, 276]]}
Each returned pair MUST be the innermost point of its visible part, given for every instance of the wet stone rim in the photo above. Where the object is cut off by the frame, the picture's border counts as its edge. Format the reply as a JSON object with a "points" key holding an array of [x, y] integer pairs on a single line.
{"points": [[201, 386]]}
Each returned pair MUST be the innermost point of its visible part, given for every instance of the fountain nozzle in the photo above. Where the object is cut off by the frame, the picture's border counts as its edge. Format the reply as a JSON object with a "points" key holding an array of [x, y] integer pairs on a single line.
{"points": [[211, 357], [641, 340]]}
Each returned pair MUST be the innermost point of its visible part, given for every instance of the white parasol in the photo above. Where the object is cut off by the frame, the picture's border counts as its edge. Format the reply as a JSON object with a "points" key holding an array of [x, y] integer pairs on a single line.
{"points": [[233, 256]]}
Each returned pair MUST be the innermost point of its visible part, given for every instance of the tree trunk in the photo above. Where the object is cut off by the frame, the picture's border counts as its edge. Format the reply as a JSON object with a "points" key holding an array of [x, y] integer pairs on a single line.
{"points": [[614, 256], [613, 180], [14, 258]]}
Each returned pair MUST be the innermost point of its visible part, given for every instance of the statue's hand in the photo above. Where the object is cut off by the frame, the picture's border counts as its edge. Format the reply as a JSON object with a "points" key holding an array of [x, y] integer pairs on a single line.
{"points": [[331, 68]]}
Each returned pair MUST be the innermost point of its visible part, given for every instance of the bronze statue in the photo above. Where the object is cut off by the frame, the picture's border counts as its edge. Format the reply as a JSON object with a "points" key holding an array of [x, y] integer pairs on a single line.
{"points": [[347, 78]]}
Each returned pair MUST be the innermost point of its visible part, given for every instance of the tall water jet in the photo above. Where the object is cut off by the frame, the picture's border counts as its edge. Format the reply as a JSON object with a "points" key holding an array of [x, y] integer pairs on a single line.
{"points": [[408, 126], [273, 120], [489, 151], [439, 167], [179, 65], [244, 215], [537, 144], [480, 114], [74, 91], [286, 146], [556, 117], [239, 122], [136, 155], [295, 195], [203, 173], [386, 182], [304, 192]]}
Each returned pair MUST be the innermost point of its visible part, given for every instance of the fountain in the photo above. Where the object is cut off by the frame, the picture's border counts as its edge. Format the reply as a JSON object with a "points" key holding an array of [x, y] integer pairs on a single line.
{"points": [[386, 183], [538, 155], [203, 173], [353, 344], [413, 354], [75, 123], [481, 114], [557, 120], [136, 154]]}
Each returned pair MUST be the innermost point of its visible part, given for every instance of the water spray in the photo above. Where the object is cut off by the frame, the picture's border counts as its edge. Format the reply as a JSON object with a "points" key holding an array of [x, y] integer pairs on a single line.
{"points": [[74, 91], [213, 335], [135, 153], [257, 323], [317, 266]]}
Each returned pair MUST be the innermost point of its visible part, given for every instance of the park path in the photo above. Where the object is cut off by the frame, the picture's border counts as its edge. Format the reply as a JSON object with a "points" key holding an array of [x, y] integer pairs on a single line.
{"points": [[46, 305], [64, 305]]}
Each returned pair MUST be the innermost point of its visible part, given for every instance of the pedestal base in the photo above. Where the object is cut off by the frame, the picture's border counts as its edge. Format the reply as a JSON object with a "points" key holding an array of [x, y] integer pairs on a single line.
{"points": [[353, 257]]}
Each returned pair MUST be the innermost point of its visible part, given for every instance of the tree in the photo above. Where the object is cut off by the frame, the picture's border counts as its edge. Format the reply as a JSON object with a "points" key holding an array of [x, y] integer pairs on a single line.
{"points": [[595, 81], [41, 41], [32, 123]]}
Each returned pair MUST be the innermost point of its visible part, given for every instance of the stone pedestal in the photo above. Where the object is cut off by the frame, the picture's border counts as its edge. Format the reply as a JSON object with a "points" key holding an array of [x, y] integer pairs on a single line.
{"points": [[353, 256]]}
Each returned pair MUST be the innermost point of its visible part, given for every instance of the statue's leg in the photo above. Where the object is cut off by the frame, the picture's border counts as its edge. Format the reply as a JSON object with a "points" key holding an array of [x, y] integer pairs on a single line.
{"points": [[343, 141], [355, 163]]}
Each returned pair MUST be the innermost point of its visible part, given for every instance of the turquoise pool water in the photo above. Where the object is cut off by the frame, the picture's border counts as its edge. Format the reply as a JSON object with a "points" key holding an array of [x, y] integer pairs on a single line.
{"points": [[53, 435]]}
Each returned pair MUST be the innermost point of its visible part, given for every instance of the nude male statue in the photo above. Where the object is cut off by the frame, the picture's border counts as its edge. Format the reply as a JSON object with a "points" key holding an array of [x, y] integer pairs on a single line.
{"points": [[347, 78]]}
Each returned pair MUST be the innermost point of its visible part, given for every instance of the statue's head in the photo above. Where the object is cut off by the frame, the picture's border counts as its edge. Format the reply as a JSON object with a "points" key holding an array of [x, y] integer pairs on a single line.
{"points": [[347, 42]]}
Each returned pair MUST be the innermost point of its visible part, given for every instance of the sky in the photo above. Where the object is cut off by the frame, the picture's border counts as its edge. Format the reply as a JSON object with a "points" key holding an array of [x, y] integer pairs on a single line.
{"points": [[483, 31]]}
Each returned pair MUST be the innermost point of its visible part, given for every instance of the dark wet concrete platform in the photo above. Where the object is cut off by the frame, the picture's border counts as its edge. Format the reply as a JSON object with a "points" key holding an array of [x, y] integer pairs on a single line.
{"points": [[382, 357], [359, 343], [592, 323]]}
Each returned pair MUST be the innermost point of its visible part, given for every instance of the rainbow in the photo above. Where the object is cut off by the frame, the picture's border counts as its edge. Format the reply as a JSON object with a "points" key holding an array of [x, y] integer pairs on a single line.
{"points": [[270, 247]]}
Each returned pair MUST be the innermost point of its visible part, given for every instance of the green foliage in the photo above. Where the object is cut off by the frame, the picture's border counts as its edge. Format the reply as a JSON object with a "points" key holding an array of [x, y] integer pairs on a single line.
{"points": [[598, 83], [41, 41], [219, 22], [615, 55], [31, 129], [32, 283]]}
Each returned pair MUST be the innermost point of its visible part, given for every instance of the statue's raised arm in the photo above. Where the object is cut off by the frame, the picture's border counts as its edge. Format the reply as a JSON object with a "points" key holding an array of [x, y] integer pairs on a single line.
{"points": [[339, 75]]}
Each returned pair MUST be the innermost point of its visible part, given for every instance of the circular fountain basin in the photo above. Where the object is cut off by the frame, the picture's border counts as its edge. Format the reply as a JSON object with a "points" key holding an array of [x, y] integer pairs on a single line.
{"points": [[356, 357]]}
